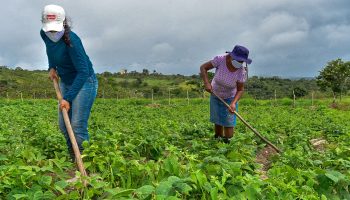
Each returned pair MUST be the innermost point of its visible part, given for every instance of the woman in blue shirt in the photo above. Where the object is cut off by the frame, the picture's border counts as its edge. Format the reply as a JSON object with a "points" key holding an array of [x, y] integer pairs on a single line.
{"points": [[68, 60]]}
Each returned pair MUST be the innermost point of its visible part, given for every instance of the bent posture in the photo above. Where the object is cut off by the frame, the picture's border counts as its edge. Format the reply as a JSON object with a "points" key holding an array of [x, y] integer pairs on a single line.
{"points": [[228, 83], [69, 61]]}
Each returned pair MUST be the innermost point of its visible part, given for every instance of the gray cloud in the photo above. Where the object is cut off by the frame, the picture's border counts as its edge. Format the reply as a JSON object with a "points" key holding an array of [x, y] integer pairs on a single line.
{"points": [[286, 38]]}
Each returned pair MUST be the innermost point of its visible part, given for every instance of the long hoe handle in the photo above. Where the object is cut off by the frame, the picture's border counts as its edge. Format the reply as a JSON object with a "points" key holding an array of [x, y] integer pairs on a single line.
{"points": [[70, 132], [248, 125]]}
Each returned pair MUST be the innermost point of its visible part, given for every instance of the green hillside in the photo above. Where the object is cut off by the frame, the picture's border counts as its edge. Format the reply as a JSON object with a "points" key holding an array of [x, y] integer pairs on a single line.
{"points": [[35, 84]]}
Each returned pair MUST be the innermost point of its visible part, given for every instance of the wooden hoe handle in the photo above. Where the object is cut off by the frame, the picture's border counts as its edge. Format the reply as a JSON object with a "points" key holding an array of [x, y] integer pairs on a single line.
{"points": [[248, 125], [70, 132]]}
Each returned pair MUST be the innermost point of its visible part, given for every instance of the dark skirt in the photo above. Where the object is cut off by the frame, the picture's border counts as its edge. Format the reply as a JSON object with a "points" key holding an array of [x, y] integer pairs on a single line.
{"points": [[219, 113]]}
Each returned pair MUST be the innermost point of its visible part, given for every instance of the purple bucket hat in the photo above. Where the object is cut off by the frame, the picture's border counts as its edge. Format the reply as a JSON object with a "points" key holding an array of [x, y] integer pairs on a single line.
{"points": [[240, 53]]}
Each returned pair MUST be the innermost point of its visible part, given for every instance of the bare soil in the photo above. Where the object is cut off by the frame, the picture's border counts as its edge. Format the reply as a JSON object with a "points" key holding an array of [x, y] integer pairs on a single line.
{"points": [[319, 144], [153, 105], [263, 157]]}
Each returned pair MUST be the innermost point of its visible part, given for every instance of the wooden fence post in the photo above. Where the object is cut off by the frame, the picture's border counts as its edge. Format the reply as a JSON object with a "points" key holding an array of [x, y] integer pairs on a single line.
{"points": [[255, 101], [293, 99], [103, 95], [188, 99], [152, 97], [271, 101], [169, 96]]}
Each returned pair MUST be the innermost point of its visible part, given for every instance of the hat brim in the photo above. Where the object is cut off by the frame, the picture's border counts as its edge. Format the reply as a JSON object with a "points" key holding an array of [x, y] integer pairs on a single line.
{"points": [[53, 26], [238, 58]]}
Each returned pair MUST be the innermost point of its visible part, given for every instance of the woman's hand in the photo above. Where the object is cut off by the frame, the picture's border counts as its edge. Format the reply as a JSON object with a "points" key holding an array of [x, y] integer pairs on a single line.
{"points": [[208, 87], [64, 104], [232, 107], [53, 74]]}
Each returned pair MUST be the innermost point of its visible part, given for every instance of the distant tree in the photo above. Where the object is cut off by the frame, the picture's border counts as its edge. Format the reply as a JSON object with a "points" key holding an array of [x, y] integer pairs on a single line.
{"points": [[195, 76], [179, 76], [192, 82], [123, 71], [3, 85], [137, 82], [155, 89], [300, 92], [106, 74], [124, 83], [211, 75], [334, 76], [145, 72], [134, 72], [176, 92]]}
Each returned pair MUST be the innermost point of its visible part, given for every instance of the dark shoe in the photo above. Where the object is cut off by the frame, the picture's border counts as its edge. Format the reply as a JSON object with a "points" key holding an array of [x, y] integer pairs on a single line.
{"points": [[72, 159], [217, 136], [71, 156], [227, 140]]}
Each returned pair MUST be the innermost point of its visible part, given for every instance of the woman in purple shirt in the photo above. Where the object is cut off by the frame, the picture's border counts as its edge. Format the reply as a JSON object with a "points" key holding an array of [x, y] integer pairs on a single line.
{"points": [[228, 83]]}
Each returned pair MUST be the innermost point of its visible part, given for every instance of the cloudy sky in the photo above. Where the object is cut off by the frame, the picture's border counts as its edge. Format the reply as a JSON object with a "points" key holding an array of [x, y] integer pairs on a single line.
{"points": [[285, 38]]}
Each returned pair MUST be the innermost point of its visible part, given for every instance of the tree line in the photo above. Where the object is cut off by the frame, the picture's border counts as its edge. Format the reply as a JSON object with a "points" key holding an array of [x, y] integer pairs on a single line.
{"points": [[332, 81]]}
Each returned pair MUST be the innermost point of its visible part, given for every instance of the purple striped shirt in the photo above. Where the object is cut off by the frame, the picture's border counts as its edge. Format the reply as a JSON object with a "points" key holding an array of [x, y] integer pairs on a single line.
{"points": [[224, 82]]}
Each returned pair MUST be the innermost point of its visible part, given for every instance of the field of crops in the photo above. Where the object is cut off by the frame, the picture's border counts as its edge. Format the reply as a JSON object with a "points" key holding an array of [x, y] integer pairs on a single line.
{"points": [[142, 151]]}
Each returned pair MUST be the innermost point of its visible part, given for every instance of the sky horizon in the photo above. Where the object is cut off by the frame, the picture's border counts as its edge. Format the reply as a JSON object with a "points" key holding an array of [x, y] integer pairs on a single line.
{"points": [[285, 38]]}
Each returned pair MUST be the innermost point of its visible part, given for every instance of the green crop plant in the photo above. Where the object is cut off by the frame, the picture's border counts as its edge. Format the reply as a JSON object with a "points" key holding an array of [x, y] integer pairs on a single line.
{"points": [[137, 151]]}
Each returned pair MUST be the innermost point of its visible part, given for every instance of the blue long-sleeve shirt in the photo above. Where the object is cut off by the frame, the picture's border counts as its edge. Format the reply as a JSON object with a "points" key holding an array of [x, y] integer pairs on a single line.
{"points": [[71, 62]]}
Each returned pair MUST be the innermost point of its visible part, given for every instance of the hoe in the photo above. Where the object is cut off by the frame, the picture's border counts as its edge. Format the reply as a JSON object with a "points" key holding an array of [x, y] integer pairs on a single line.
{"points": [[248, 125], [70, 133]]}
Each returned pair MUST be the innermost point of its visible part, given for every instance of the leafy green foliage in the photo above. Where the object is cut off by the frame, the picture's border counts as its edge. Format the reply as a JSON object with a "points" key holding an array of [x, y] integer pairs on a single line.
{"points": [[334, 76], [141, 152]]}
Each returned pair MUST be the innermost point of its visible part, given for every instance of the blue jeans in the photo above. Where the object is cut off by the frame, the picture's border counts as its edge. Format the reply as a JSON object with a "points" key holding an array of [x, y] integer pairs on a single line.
{"points": [[79, 112]]}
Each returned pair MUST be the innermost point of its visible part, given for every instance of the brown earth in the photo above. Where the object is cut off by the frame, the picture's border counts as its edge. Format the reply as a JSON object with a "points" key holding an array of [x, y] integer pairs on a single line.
{"points": [[319, 144], [153, 105], [263, 157]]}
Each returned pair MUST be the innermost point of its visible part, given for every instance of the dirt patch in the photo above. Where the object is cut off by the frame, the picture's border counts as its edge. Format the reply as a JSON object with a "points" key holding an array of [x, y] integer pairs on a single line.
{"points": [[313, 107], [334, 105], [71, 172], [263, 157], [319, 144], [71, 177], [340, 106], [154, 105]]}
